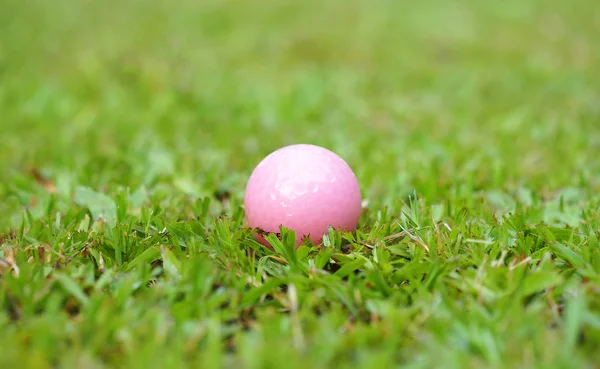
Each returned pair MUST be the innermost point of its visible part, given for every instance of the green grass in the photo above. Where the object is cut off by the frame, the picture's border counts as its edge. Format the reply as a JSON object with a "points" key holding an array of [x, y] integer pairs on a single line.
{"points": [[128, 130]]}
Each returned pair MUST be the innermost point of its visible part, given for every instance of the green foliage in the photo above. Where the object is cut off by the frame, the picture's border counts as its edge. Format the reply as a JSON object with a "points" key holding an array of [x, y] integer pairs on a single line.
{"points": [[129, 129]]}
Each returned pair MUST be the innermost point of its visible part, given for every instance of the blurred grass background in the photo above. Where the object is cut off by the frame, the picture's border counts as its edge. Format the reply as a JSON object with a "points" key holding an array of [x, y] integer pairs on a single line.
{"points": [[434, 96]]}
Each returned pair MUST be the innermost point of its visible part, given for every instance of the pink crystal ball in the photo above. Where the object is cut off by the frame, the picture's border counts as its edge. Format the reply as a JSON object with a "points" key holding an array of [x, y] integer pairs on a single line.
{"points": [[305, 188]]}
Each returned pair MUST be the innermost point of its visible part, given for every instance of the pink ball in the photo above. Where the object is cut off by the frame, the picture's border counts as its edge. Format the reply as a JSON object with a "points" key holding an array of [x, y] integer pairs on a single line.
{"points": [[305, 188]]}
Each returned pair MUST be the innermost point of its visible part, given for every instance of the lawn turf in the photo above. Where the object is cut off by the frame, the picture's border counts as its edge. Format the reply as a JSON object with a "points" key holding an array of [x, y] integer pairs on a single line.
{"points": [[128, 130]]}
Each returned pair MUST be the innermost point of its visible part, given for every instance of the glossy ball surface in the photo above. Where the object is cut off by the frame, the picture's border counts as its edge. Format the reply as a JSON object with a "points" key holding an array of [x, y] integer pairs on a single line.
{"points": [[305, 188]]}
